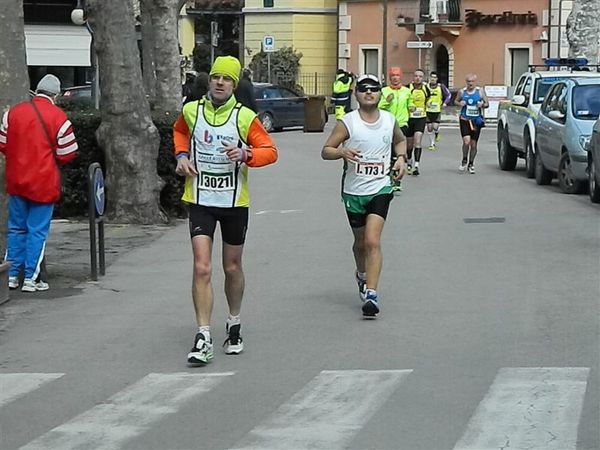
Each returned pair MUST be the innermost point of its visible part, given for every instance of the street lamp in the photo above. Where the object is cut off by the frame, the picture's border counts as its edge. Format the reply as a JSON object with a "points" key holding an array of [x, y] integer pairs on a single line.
{"points": [[78, 17]]}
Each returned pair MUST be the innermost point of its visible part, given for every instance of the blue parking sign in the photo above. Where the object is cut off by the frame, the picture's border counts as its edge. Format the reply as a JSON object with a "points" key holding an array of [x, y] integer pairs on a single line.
{"points": [[268, 44]]}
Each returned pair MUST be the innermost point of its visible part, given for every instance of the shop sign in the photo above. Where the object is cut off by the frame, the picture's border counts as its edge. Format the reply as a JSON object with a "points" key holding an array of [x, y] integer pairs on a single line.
{"points": [[474, 18]]}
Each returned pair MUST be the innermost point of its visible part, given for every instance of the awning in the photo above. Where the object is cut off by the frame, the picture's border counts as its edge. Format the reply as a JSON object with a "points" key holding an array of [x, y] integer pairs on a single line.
{"points": [[57, 45]]}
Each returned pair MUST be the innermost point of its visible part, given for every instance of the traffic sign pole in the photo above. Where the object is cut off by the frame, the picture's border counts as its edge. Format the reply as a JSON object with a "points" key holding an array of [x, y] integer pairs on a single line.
{"points": [[268, 48], [96, 207]]}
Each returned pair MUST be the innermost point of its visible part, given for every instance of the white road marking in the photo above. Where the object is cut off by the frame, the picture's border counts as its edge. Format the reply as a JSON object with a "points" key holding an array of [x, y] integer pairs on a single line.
{"points": [[327, 412], [278, 211], [13, 385], [128, 413], [529, 408]]}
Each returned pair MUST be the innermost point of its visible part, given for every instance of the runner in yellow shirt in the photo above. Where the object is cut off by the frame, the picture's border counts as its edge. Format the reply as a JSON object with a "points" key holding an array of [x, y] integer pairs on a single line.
{"points": [[419, 95]]}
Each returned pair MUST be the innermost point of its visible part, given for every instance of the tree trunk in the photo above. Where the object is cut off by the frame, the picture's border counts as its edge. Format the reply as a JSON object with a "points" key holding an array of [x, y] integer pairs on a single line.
{"points": [[14, 83], [164, 16], [583, 29], [129, 138], [148, 69]]}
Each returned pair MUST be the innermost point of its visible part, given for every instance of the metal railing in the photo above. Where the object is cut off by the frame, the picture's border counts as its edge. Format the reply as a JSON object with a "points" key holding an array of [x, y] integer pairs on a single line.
{"points": [[314, 83], [445, 10]]}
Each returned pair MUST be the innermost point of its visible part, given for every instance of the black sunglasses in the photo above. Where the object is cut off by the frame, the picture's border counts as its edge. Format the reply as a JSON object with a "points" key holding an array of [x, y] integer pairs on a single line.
{"points": [[366, 87]]}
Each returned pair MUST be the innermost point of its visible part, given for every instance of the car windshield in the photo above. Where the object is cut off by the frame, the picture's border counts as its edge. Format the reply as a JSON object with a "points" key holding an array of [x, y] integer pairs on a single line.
{"points": [[586, 102], [542, 86]]}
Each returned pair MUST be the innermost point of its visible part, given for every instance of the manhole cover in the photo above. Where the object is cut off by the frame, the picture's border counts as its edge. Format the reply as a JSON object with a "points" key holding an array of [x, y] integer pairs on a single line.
{"points": [[484, 220]]}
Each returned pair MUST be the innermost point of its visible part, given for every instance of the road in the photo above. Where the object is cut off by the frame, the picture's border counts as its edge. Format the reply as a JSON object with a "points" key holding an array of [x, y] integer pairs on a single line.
{"points": [[488, 336]]}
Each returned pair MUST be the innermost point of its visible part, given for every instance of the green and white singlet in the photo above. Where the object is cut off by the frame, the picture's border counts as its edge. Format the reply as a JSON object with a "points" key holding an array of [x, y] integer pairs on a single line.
{"points": [[374, 140]]}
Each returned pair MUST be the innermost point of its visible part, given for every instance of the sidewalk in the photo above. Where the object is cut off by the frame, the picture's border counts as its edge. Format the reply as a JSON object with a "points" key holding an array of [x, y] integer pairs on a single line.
{"points": [[68, 253]]}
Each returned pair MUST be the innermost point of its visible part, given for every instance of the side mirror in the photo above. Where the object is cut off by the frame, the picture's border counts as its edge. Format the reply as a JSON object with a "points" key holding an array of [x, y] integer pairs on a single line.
{"points": [[556, 115], [519, 100]]}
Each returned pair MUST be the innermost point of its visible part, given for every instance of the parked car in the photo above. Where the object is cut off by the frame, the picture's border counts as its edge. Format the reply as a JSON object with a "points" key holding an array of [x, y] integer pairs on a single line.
{"points": [[279, 106], [563, 132], [76, 94], [593, 167], [516, 117]]}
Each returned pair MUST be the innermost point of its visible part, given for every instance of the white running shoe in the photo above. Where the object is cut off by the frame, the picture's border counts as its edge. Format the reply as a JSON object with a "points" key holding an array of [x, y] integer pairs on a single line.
{"points": [[13, 282], [362, 287], [30, 285], [471, 168], [462, 167], [202, 352], [234, 345], [370, 307]]}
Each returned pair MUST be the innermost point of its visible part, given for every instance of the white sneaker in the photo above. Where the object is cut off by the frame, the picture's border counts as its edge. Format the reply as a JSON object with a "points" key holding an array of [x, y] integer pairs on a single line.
{"points": [[202, 352], [234, 345], [13, 282], [462, 167], [30, 285], [471, 169]]}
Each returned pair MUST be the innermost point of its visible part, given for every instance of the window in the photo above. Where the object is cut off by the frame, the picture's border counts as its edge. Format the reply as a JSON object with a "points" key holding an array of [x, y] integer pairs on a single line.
{"points": [[520, 85], [371, 58], [586, 102], [551, 99], [272, 93], [268, 3], [542, 87], [527, 89]]}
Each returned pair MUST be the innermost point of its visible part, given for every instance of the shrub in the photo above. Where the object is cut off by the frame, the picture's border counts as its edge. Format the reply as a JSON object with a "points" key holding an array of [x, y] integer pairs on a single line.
{"points": [[74, 201]]}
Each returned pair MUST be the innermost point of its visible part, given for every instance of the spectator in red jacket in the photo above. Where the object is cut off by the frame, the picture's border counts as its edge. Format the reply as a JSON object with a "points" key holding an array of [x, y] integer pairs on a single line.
{"points": [[35, 137]]}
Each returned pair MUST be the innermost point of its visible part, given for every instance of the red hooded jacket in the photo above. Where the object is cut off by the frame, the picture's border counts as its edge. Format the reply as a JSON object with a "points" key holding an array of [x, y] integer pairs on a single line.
{"points": [[31, 161]]}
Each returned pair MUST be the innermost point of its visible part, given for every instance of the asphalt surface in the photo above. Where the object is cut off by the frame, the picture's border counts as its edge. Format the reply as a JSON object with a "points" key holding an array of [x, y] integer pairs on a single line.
{"points": [[488, 336]]}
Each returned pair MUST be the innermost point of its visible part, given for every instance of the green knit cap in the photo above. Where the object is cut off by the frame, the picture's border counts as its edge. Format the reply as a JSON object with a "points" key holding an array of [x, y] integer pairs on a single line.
{"points": [[227, 65]]}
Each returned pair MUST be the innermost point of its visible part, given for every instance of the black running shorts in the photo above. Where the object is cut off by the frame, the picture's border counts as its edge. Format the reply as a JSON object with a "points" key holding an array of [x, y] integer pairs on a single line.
{"points": [[416, 125], [468, 128], [233, 221], [433, 117], [379, 204]]}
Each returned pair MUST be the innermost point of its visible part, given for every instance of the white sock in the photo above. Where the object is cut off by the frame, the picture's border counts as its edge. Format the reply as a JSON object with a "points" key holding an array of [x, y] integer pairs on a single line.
{"points": [[233, 320], [361, 275], [205, 330], [417, 164]]}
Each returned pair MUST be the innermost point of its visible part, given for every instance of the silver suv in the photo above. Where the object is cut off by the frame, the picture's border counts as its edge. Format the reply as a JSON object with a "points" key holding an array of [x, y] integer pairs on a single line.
{"points": [[563, 131]]}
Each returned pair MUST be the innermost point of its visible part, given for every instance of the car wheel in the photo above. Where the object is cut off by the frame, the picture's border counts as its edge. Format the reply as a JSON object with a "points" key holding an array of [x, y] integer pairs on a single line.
{"points": [[529, 158], [593, 175], [507, 156], [566, 180], [267, 121], [542, 175]]}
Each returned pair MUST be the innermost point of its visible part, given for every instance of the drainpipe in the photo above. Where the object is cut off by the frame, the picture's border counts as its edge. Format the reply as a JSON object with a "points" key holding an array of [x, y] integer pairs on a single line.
{"points": [[385, 38]]}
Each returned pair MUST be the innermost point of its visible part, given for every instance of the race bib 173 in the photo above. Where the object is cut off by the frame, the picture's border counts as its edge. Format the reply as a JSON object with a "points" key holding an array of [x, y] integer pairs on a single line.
{"points": [[370, 169]]}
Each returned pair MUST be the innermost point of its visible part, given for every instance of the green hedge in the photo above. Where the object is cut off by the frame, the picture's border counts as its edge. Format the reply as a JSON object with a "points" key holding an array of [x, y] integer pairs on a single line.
{"points": [[74, 201]]}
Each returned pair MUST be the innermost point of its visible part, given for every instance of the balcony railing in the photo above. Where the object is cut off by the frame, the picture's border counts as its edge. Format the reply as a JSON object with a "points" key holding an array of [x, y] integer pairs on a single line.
{"points": [[439, 11]]}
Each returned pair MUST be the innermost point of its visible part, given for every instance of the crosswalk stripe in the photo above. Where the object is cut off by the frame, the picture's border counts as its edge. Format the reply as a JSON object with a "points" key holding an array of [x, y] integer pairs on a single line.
{"points": [[327, 412], [13, 385], [127, 413], [533, 408]]}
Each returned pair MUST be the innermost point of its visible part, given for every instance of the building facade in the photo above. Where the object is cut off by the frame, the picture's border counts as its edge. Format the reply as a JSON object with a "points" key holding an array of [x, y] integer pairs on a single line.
{"points": [[308, 26], [496, 39]]}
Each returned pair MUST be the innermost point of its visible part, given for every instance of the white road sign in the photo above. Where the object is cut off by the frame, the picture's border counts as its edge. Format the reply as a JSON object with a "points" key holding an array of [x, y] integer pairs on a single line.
{"points": [[419, 44], [268, 44]]}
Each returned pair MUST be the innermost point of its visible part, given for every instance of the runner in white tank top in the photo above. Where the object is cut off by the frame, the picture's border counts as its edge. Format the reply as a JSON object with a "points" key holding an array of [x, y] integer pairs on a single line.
{"points": [[364, 140], [372, 172]]}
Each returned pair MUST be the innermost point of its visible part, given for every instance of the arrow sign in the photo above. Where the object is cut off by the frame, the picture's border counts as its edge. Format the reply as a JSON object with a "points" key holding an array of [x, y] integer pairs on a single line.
{"points": [[99, 198], [419, 44]]}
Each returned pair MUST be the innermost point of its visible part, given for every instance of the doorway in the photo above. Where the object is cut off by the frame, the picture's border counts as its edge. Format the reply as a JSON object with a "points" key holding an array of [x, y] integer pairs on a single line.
{"points": [[442, 64], [519, 63]]}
